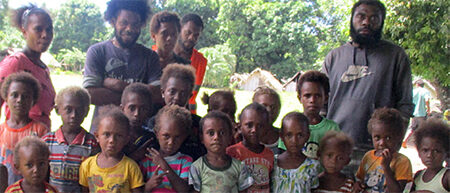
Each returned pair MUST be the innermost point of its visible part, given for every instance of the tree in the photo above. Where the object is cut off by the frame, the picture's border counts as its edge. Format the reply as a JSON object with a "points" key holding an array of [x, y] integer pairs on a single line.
{"points": [[421, 27], [279, 36], [78, 24], [221, 65]]}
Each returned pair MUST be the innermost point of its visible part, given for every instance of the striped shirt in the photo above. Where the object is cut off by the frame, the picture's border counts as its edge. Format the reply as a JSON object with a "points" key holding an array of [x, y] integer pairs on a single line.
{"points": [[65, 158], [16, 188], [180, 164], [9, 137], [346, 188]]}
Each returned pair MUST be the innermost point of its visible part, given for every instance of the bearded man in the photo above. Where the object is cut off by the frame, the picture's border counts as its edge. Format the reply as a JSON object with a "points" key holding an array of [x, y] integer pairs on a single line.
{"points": [[365, 74], [113, 64]]}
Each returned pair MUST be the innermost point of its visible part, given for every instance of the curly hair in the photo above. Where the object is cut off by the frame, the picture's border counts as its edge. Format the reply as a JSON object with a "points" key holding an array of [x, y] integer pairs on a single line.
{"points": [[217, 115], [74, 91], [164, 17], [20, 16], [139, 89], [114, 112], [30, 141], [342, 140], [196, 19], [314, 76], [300, 117], [433, 128], [390, 117], [186, 73], [262, 90], [214, 100], [137, 6], [180, 115], [22, 77]]}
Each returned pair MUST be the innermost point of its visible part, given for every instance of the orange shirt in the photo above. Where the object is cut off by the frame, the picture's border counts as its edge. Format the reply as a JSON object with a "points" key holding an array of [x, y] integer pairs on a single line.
{"points": [[260, 165], [199, 62]]}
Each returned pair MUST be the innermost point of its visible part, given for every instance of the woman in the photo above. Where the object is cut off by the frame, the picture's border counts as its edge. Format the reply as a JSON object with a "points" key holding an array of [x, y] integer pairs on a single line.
{"points": [[37, 29]]}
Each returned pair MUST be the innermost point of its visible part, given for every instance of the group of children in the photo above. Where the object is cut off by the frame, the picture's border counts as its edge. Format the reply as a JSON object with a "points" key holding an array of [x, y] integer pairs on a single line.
{"points": [[176, 151]]}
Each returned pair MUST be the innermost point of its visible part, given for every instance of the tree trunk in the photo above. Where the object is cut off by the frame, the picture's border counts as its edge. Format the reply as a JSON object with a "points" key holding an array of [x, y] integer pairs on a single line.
{"points": [[442, 94]]}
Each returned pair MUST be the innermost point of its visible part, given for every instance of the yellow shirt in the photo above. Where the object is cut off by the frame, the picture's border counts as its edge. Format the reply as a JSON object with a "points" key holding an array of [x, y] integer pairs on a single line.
{"points": [[371, 173], [123, 177]]}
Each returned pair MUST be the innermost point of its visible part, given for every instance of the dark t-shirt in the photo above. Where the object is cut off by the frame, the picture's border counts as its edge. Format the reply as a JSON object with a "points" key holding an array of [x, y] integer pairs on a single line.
{"points": [[104, 60]]}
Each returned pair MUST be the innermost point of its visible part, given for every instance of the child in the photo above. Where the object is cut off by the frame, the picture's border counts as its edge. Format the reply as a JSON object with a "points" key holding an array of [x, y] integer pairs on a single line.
{"points": [[312, 92], [136, 105], [253, 120], [216, 171], [31, 160], [432, 142], [293, 171], [70, 144], [111, 170], [334, 153], [167, 170], [20, 91], [177, 83], [223, 100], [384, 169], [271, 101]]}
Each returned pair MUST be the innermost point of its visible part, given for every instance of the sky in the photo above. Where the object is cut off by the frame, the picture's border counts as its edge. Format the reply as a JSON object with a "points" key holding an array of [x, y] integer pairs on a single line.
{"points": [[53, 4]]}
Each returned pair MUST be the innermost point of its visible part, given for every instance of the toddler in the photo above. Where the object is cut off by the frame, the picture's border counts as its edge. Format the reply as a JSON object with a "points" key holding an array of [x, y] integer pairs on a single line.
{"points": [[31, 160], [216, 171], [432, 142], [253, 120], [111, 170], [384, 169], [293, 171], [271, 101], [166, 169], [334, 153], [20, 91], [70, 144]]}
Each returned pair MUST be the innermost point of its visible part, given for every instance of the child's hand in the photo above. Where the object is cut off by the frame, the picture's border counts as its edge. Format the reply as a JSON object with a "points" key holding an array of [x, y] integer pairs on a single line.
{"points": [[386, 158], [155, 180], [157, 158], [358, 187]]}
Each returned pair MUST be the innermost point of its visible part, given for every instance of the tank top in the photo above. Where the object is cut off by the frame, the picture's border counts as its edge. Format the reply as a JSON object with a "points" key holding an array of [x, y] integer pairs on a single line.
{"points": [[435, 185]]}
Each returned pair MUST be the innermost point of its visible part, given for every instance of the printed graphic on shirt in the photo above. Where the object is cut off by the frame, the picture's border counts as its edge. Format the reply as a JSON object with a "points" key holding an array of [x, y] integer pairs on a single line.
{"points": [[355, 72], [96, 183], [375, 180]]}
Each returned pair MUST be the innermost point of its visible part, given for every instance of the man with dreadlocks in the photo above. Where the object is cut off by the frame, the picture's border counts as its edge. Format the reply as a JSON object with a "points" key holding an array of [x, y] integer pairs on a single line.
{"points": [[113, 64]]}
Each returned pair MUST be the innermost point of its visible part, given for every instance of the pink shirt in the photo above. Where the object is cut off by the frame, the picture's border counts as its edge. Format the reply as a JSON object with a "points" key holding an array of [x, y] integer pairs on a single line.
{"points": [[19, 62]]}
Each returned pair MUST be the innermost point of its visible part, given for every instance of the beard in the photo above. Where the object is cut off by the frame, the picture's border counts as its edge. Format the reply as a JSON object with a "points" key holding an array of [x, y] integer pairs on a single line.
{"points": [[186, 48], [366, 40], [122, 43]]}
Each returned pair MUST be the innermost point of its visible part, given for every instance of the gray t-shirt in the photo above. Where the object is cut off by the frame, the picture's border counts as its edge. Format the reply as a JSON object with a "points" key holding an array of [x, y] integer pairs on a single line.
{"points": [[362, 80], [104, 60]]}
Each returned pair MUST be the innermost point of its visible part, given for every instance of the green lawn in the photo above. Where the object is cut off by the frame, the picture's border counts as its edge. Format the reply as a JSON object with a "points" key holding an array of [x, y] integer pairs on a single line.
{"points": [[289, 101]]}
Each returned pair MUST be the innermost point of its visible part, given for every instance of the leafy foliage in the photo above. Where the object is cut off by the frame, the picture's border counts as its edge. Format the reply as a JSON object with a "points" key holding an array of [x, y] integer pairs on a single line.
{"points": [[72, 60], [78, 24], [279, 36], [221, 65], [421, 27]]}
